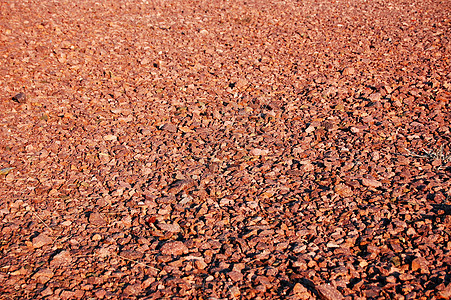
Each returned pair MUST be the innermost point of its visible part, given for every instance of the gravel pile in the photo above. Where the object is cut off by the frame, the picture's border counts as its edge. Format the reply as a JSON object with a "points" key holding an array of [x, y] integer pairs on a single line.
{"points": [[225, 149]]}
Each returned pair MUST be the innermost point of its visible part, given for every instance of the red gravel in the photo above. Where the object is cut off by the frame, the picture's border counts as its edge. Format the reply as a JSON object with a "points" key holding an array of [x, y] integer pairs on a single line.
{"points": [[225, 149]]}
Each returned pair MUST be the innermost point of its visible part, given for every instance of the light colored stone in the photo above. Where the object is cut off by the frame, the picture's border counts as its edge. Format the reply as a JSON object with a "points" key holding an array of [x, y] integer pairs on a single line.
{"points": [[110, 137], [332, 245], [420, 263], [174, 248], [63, 258], [169, 227], [131, 254], [234, 292], [445, 293], [96, 218], [299, 288], [310, 129], [259, 152], [328, 292], [308, 167], [200, 264], [169, 127], [343, 190], [375, 97], [411, 231], [348, 71], [100, 294], [42, 240], [235, 276], [371, 183], [133, 289], [355, 130], [44, 275]]}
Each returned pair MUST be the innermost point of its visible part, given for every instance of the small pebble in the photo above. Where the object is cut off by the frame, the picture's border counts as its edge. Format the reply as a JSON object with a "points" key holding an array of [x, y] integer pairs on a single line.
{"points": [[20, 98]]}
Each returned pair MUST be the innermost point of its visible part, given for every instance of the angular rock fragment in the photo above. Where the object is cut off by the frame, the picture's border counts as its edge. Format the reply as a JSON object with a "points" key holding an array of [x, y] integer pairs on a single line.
{"points": [[375, 97], [131, 254], [43, 275], [308, 167], [234, 292], [20, 98], [264, 281], [310, 129], [41, 240], [371, 183], [174, 228], [97, 219], [200, 264], [174, 248], [63, 258], [180, 185], [348, 71], [66, 295], [110, 137], [100, 293], [300, 292], [169, 127], [235, 276], [259, 152], [328, 292], [133, 289], [445, 293], [420, 263], [343, 190]]}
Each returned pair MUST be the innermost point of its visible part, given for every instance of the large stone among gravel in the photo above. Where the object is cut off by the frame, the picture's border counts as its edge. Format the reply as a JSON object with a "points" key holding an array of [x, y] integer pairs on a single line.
{"points": [[348, 71], [97, 219], [63, 258], [328, 292], [43, 275], [235, 275], [41, 240], [20, 98], [174, 248], [371, 183]]}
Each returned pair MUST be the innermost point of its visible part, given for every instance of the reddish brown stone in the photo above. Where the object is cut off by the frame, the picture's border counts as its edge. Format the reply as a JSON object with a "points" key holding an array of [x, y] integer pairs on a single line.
{"points": [[328, 292], [420, 263], [97, 219], [64, 258], [20, 98], [169, 127], [371, 183], [343, 190], [235, 275], [43, 275], [348, 71], [42, 240], [445, 293], [161, 148], [133, 289], [174, 248]]}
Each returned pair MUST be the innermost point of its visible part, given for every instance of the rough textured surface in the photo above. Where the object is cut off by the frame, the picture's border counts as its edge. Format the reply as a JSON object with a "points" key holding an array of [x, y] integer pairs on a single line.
{"points": [[328, 292], [225, 149]]}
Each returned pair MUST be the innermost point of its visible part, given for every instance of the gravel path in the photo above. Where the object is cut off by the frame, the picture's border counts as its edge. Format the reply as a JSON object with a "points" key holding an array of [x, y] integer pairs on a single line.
{"points": [[225, 149]]}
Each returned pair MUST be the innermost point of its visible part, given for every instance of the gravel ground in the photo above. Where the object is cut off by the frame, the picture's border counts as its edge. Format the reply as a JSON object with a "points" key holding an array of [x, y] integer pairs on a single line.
{"points": [[225, 149]]}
